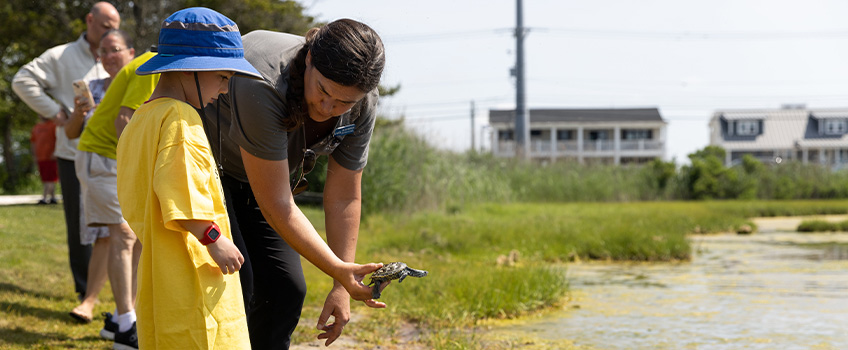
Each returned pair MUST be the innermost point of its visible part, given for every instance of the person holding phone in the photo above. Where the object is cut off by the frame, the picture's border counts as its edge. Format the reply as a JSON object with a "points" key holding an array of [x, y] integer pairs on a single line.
{"points": [[45, 85]]}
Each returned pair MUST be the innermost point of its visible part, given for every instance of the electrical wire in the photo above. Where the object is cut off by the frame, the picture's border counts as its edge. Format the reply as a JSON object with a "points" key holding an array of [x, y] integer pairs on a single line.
{"points": [[694, 35]]}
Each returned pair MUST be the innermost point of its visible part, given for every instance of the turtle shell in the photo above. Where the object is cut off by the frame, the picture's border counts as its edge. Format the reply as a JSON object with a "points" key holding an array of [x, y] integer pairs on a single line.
{"points": [[389, 271]]}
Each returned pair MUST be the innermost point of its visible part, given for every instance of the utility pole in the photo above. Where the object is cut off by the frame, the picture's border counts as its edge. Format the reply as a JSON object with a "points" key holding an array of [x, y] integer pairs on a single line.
{"points": [[472, 126], [522, 124]]}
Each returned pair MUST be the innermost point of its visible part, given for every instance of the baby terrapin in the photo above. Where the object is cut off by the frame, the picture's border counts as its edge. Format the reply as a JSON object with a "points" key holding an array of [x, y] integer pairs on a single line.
{"points": [[392, 271]]}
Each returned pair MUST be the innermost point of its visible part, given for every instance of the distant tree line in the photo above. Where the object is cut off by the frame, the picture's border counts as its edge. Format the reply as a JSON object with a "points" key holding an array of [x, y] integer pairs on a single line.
{"points": [[30, 27]]}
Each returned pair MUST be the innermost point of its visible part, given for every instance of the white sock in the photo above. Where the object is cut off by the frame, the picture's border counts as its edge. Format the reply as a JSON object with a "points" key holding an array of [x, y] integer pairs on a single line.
{"points": [[126, 321], [115, 316]]}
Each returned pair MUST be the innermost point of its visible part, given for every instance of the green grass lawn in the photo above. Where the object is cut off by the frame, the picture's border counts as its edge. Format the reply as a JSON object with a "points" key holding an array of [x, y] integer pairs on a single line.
{"points": [[487, 261], [36, 292]]}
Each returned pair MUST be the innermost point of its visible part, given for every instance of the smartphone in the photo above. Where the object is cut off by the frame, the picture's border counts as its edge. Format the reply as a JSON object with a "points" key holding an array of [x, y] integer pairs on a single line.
{"points": [[81, 90]]}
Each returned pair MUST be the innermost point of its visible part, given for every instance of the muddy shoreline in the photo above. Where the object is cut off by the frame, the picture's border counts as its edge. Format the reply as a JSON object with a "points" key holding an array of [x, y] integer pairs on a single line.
{"points": [[773, 289]]}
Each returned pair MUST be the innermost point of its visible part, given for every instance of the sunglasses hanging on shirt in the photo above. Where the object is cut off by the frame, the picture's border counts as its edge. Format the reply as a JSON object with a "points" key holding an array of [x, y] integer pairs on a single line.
{"points": [[307, 163]]}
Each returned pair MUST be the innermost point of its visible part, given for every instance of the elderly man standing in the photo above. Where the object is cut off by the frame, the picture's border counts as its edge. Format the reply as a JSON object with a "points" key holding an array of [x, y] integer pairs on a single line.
{"points": [[45, 86]]}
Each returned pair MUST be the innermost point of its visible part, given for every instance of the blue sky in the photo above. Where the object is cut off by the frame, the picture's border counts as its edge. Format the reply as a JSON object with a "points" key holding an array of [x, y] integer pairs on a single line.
{"points": [[687, 58]]}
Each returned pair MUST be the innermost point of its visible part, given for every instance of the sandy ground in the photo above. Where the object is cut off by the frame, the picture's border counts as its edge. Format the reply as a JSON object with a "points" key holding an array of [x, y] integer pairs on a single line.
{"points": [[790, 223], [405, 338], [22, 199]]}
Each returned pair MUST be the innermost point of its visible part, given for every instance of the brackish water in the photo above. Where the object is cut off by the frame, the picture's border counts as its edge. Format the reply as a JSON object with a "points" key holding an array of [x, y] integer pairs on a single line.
{"points": [[774, 289]]}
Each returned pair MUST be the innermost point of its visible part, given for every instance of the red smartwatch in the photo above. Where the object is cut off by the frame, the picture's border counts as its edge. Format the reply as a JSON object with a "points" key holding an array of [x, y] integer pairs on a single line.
{"points": [[211, 235]]}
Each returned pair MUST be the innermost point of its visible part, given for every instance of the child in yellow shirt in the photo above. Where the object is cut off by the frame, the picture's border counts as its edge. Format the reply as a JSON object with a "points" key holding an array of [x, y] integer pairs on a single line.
{"points": [[189, 295]]}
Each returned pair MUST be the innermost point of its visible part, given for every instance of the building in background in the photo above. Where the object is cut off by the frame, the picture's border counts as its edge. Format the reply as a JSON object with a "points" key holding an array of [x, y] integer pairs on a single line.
{"points": [[592, 136], [792, 132]]}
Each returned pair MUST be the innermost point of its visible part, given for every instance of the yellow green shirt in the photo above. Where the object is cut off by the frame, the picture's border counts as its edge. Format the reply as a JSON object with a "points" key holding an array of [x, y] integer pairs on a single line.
{"points": [[166, 173], [126, 90]]}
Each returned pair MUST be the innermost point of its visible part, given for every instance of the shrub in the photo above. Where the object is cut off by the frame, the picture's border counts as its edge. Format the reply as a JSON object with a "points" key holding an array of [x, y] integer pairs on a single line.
{"points": [[817, 226]]}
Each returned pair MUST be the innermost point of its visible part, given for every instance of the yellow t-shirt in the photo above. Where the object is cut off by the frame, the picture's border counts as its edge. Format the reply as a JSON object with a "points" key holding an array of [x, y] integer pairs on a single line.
{"points": [[126, 90], [165, 173]]}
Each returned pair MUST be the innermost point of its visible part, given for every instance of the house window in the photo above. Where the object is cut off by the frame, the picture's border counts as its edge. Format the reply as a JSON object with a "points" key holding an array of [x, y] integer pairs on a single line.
{"points": [[637, 134], [535, 133], [835, 126], [747, 127], [505, 135], [563, 135], [598, 135]]}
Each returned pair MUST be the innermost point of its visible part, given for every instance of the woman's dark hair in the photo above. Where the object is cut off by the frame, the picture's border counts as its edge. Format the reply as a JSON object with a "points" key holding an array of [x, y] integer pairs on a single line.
{"points": [[127, 38], [345, 51]]}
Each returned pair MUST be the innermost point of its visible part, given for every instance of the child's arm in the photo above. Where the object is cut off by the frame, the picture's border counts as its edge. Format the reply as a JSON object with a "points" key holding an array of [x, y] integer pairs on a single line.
{"points": [[223, 251], [124, 116]]}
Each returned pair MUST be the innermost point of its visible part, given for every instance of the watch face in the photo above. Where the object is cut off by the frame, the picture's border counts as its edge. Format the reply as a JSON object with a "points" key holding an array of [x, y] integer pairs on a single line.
{"points": [[213, 234]]}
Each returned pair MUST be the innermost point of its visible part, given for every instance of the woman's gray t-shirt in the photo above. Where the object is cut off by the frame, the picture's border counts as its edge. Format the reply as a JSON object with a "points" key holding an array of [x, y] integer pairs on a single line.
{"points": [[252, 114]]}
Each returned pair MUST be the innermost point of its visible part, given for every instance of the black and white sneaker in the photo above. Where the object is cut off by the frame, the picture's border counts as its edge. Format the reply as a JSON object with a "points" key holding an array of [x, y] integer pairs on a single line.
{"points": [[109, 327], [126, 340]]}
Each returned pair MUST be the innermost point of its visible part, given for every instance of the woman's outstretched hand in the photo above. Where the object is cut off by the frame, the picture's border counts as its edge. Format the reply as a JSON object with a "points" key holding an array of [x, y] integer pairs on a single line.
{"points": [[352, 279]]}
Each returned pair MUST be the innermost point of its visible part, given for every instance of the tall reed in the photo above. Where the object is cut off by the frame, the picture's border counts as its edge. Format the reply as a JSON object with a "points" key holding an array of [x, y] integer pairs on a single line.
{"points": [[405, 174]]}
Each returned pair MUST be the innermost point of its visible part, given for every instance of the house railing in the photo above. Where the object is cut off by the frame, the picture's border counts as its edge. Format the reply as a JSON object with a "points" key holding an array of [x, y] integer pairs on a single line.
{"points": [[546, 148], [567, 146], [598, 145], [627, 145]]}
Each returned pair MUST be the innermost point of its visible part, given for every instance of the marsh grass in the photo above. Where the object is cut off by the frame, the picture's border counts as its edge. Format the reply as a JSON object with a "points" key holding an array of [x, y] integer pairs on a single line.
{"points": [[822, 226], [460, 246]]}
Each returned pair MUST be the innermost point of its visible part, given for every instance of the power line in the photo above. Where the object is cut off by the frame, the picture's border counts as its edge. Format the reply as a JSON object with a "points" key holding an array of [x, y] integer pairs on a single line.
{"points": [[436, 118], [695, 35], [414, 38], [677, 116], [690, 96], [442, 83], [628, 34], [458, 102], [682, 83], [455, 109]]}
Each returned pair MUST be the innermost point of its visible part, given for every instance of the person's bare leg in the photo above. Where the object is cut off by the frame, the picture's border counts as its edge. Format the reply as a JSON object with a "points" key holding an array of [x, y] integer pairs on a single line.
{"points": [[51, 190], [136, 256], [96, 277], [121, 267]]}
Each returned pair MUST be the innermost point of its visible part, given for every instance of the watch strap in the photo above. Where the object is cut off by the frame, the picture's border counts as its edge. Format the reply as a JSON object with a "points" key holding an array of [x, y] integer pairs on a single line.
{"points": [[211, 235]]}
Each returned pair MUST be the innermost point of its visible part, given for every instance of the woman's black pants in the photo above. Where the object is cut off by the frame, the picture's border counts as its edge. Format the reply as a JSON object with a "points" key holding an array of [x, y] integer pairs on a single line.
{"points": [[271, 277]]}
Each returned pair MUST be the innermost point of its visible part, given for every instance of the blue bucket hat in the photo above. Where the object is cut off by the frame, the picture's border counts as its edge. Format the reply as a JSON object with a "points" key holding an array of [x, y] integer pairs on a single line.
{"points": [[199, 39]]}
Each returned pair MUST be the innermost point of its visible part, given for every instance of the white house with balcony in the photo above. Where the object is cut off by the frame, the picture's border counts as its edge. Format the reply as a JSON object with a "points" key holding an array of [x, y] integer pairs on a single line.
{"points": [[789, 133], [606, 136]]}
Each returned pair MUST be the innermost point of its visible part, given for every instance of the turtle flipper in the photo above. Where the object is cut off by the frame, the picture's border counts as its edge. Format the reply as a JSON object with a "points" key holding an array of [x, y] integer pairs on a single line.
{"points": [[375, 291]]}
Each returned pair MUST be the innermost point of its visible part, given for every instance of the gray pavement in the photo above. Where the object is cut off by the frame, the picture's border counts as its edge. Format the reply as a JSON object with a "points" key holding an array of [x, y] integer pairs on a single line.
{"points": [[22, 199]]}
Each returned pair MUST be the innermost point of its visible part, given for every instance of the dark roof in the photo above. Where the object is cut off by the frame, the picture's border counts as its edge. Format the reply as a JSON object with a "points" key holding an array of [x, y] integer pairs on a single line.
{"points": [[579, 115]]}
